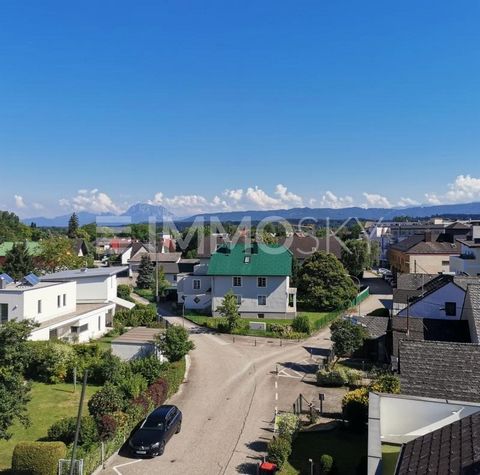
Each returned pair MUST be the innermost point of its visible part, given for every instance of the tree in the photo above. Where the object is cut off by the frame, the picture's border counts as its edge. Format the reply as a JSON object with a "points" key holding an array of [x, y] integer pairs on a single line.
{"points": [[163, 283], [146, 278], [356, 256], [57, 253], [18, 262], [295, 271], [72, 232], [324, 284], [229, 310], [347, 337], [14, 393], [174, 343], [374, 253], [11, 228]]}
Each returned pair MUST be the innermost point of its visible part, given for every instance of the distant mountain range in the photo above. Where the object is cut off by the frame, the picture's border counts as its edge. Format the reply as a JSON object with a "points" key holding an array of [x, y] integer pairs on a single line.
{"points": [[137, 213], [141, 212]]}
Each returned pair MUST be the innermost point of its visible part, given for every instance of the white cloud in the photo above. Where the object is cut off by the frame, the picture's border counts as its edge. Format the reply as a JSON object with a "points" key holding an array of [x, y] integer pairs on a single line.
{"points": [[235, 195], [19, 201], [407, 202], [330, 200], [465, 188], [93, 201], [260, 199], [38, 206], [376, 201], [287, 197]]}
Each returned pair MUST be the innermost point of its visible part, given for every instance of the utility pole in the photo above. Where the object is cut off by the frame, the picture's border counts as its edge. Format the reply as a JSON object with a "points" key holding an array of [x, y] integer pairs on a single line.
{"points": [[79, 421]]}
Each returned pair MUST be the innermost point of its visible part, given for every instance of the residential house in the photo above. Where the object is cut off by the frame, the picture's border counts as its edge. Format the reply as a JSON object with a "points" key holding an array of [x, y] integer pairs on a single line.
{"points": [[441, 296], [422, 253], [171, 270], [468, 262], [471, 311], [408, 434], [33, 248], [80, 247], [302, 245], [207, 245], [158, 259], [134, 249], [258, 274], [64, 304]]}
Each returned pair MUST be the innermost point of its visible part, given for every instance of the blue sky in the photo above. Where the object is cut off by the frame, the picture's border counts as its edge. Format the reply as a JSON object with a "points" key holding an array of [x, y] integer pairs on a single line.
{"points": [[205, 105]]}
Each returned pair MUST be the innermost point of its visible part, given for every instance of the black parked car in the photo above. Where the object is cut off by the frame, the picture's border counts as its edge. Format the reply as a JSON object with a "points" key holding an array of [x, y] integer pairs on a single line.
{"points": [[155, 431]]}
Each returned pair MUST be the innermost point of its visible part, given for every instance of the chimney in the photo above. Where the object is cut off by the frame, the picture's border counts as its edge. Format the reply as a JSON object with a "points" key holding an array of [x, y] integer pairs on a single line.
{"points": [[428, 236], [3, 283]]}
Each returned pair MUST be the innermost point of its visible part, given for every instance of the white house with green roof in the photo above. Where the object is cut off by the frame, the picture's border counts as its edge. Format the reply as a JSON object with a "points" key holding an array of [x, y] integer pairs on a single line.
{"points": [[258, 274]]}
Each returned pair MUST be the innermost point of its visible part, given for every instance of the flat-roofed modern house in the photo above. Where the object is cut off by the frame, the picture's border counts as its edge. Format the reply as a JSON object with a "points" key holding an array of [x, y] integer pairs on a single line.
{"points": [[77, 305], [468, 262]]}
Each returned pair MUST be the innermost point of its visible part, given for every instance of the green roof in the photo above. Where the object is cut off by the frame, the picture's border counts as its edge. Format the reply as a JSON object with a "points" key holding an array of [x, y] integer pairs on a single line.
{"points": [[32, 247], [253, 259]]}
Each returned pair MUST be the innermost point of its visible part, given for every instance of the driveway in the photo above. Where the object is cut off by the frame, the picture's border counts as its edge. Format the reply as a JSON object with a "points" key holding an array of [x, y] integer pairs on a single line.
{"points": [[228, 401], [380, 293]]}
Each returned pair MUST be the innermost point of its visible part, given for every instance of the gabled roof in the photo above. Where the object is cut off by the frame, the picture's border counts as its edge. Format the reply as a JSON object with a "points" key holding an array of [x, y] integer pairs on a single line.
{"points": [[207, 245], [453, 449], [33, 247], [471, 310], [417, 244], [458, 225], [254, 259], [440, 369], [302, 246], [159, 257]]}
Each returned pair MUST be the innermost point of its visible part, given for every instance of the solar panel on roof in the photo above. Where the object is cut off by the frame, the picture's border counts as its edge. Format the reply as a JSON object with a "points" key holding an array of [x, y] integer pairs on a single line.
{"points": [[6, 278], [31, 279]]}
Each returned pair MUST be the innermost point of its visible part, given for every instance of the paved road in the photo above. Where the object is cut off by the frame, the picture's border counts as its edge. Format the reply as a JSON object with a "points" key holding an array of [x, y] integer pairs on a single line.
{"points": [[228, 402], [380, 293]]}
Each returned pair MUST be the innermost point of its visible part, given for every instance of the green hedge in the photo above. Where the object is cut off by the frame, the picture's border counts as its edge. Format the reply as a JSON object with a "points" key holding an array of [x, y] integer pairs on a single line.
{"points": [[173, 374], [38, 458]]}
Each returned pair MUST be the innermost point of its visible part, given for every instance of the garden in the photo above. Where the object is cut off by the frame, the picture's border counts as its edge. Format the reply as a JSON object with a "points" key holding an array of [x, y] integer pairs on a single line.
{"points": [[119, 395]]}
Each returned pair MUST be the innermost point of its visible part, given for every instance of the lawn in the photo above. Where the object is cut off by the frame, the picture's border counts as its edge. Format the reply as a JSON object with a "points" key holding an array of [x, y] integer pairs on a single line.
{"points": [[105, 342], [317, 319], [390, 453], [146, 294], [346, 447], [49, 403]]}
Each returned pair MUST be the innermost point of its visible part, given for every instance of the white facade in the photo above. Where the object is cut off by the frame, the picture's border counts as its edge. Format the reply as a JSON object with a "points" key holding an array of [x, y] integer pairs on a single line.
{"points": [[468, 262], [446, 303]]}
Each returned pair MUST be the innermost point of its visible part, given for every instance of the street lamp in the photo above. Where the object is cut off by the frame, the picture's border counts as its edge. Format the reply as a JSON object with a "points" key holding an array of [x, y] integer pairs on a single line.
{"points": [[311, 466]]}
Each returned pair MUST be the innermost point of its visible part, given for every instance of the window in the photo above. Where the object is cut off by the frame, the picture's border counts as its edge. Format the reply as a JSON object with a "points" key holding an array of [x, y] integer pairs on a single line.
{"points": [[445, 263], [261, 281], [3, 313], [246, 260], [196, 284], [261, 315], [59, 297], [175, 277], [79, 329], [237, 281], [39, 306], [450, 309], [239, 299], [262, 300], [64, 300], [99, 323]]}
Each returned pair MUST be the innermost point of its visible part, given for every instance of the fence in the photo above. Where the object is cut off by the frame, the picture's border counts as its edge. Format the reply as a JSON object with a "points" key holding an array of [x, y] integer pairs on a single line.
{"points": [[361, 296], [64, 467]]}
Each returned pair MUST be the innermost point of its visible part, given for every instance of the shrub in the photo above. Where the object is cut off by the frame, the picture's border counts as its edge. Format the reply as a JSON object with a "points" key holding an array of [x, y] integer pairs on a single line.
{"points": [[149, 367], [108, 368], [132, 385], [106, 401], [279, 449], [107, 426], [288, 425], [326, 464], [173, 374], [38, 458], [140, 315], [124, 291], [64, 431], [386, 383], [354, 377], [49, 361], [175, 343], [158, 392], [301, 324], [355, 407], [144, 404], [332, 377]]}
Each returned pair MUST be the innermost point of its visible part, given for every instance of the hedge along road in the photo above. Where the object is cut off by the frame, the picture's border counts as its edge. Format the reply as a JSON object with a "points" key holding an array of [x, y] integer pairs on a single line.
{"points": [[228, 403]]}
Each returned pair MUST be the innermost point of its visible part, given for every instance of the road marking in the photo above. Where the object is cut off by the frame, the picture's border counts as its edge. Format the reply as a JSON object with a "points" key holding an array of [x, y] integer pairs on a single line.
{"points": [[124, 464], [276, 396], [276, 384]]}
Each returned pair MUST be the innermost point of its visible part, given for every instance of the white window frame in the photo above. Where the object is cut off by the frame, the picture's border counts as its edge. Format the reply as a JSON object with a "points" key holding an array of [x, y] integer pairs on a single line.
{"points": [[64, 300], [59, 301], [199, 284], [258, 283], [239, 280], [4, 318], [39, 306], [239, 299], [264, 297]]}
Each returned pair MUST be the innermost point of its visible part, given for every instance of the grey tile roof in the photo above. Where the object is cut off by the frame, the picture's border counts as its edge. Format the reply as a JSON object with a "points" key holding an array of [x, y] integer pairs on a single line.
{"points": [[471, 310], [413, 281], [376, 326], [453, 449], [417, 244], [84, 273], [440, 369], [302, 246]]}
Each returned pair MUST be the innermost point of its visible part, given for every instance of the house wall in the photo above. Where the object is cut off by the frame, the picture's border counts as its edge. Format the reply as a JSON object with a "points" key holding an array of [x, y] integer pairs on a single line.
{"points": [[276, 292], [96, 321], [96, 289], [429, 263], [433, 305], [23, 304], [131, 351], [466, 266]]}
